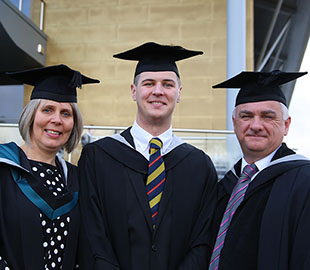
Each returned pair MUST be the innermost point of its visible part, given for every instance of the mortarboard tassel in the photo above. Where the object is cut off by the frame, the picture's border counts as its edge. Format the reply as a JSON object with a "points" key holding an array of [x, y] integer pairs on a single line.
{"points": [[76, 80]]}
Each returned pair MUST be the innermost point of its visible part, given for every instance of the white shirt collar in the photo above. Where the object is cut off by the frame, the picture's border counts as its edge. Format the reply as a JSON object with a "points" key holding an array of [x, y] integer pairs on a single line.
{"points": [[260, 164], [142, 139]]}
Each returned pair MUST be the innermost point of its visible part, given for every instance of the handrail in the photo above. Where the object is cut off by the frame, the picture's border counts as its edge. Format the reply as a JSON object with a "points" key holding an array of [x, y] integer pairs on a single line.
{"points": [[8, 125], [212, 142], [120, 128]]}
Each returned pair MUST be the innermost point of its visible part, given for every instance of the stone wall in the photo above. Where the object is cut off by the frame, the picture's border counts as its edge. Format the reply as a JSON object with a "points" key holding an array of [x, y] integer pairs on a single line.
{"points": [[85, 35]]}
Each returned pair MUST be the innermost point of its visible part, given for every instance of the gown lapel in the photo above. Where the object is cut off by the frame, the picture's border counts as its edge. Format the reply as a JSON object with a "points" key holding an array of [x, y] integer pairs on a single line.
{"points": [[30, 224], [137, 171], [137, 163], [171, 160], [272, 171]]}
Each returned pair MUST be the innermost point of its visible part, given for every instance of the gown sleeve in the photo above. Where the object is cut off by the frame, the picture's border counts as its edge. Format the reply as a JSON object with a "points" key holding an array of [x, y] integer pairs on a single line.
{"points": [[197, 257], [300, 257], [285, 227], [95, 248], [3, 263]]}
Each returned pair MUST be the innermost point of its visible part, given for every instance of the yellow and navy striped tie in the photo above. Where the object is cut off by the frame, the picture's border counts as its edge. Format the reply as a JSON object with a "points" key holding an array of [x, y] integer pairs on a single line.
{"points": [[156, 177]]}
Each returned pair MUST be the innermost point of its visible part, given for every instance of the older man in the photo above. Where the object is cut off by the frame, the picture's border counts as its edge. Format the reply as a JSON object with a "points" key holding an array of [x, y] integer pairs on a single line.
{"points": [[146, 194], [262, 219]]}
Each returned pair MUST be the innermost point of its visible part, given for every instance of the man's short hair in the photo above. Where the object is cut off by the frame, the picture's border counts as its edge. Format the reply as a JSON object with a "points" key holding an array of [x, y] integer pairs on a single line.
{"points": [[137, 77], [283, 107]]}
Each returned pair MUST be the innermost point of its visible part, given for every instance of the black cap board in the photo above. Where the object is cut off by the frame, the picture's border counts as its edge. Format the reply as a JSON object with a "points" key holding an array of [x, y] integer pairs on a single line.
{"points": [[260, 86], [156, 57], [56, 83]]}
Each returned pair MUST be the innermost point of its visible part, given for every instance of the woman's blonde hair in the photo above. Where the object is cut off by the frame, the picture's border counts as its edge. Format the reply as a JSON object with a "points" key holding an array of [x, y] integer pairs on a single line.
{"points": [[26, 122]]}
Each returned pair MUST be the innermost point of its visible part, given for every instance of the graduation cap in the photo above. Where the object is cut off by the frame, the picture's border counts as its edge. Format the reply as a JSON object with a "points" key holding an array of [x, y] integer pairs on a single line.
{"points": [[56, 83], [260, 86], [156, 57]]}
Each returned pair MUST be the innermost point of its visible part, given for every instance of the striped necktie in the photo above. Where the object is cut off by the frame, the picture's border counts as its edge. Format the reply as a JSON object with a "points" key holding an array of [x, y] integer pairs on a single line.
{"points": [[156, 177], [235, 199]]}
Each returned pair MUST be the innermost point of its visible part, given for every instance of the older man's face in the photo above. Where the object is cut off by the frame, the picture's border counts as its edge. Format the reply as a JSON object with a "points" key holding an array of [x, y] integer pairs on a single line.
{"points": [[260, 128]]}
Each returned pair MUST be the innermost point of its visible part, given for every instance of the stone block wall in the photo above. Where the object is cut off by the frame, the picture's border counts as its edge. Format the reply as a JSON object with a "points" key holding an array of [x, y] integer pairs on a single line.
{"points": [[85, 35]]}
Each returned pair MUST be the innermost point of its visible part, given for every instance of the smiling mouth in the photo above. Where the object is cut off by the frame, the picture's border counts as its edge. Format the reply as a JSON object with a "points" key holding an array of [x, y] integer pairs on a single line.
{"points": [[157, 103], [53, 132]]}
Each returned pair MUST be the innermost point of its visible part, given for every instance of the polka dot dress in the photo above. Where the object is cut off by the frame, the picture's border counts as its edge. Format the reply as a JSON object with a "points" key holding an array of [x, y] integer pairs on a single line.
{"points": [[55, 231], [3, 264]]}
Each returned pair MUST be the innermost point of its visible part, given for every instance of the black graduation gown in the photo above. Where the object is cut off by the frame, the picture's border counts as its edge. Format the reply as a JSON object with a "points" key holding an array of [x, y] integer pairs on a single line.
{"points": [[271, 228], [21, 242], [116, 214]]}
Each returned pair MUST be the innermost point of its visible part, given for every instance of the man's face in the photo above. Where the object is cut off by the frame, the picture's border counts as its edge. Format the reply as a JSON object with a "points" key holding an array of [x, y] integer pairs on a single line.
{"points": [[260, 128], [156, 94]]}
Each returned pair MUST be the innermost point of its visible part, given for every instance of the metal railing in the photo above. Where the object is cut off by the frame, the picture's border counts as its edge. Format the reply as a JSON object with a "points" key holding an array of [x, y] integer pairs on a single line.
{"points": [[213, 142], [42, 15]]}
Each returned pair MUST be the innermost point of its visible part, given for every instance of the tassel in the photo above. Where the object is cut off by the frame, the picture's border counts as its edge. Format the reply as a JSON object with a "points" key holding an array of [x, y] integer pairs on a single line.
{"points": [[76, 80]]}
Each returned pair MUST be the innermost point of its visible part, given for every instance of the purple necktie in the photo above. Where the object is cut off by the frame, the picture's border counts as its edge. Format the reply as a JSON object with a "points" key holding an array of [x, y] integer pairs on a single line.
{"points": [[235, 199]]}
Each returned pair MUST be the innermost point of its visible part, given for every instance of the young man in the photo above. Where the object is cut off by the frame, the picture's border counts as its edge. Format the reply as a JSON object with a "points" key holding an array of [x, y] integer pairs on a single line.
{"points": [[262, 218], [139, 215]]}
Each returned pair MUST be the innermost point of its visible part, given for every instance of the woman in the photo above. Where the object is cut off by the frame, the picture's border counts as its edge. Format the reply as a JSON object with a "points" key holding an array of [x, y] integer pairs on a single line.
{"points": [[39, 217]]}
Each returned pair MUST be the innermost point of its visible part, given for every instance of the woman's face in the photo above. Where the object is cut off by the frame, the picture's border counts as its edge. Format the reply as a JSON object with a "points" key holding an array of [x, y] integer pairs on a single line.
{"points": [[52, 125]]}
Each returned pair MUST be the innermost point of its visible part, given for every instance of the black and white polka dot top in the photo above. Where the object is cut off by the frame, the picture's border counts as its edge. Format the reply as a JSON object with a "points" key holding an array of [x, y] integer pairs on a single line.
{"points": [[54, 232]]}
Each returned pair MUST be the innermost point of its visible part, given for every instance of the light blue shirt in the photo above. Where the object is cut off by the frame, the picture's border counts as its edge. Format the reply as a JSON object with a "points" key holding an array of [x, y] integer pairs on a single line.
{"points": [[142, 139]]}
